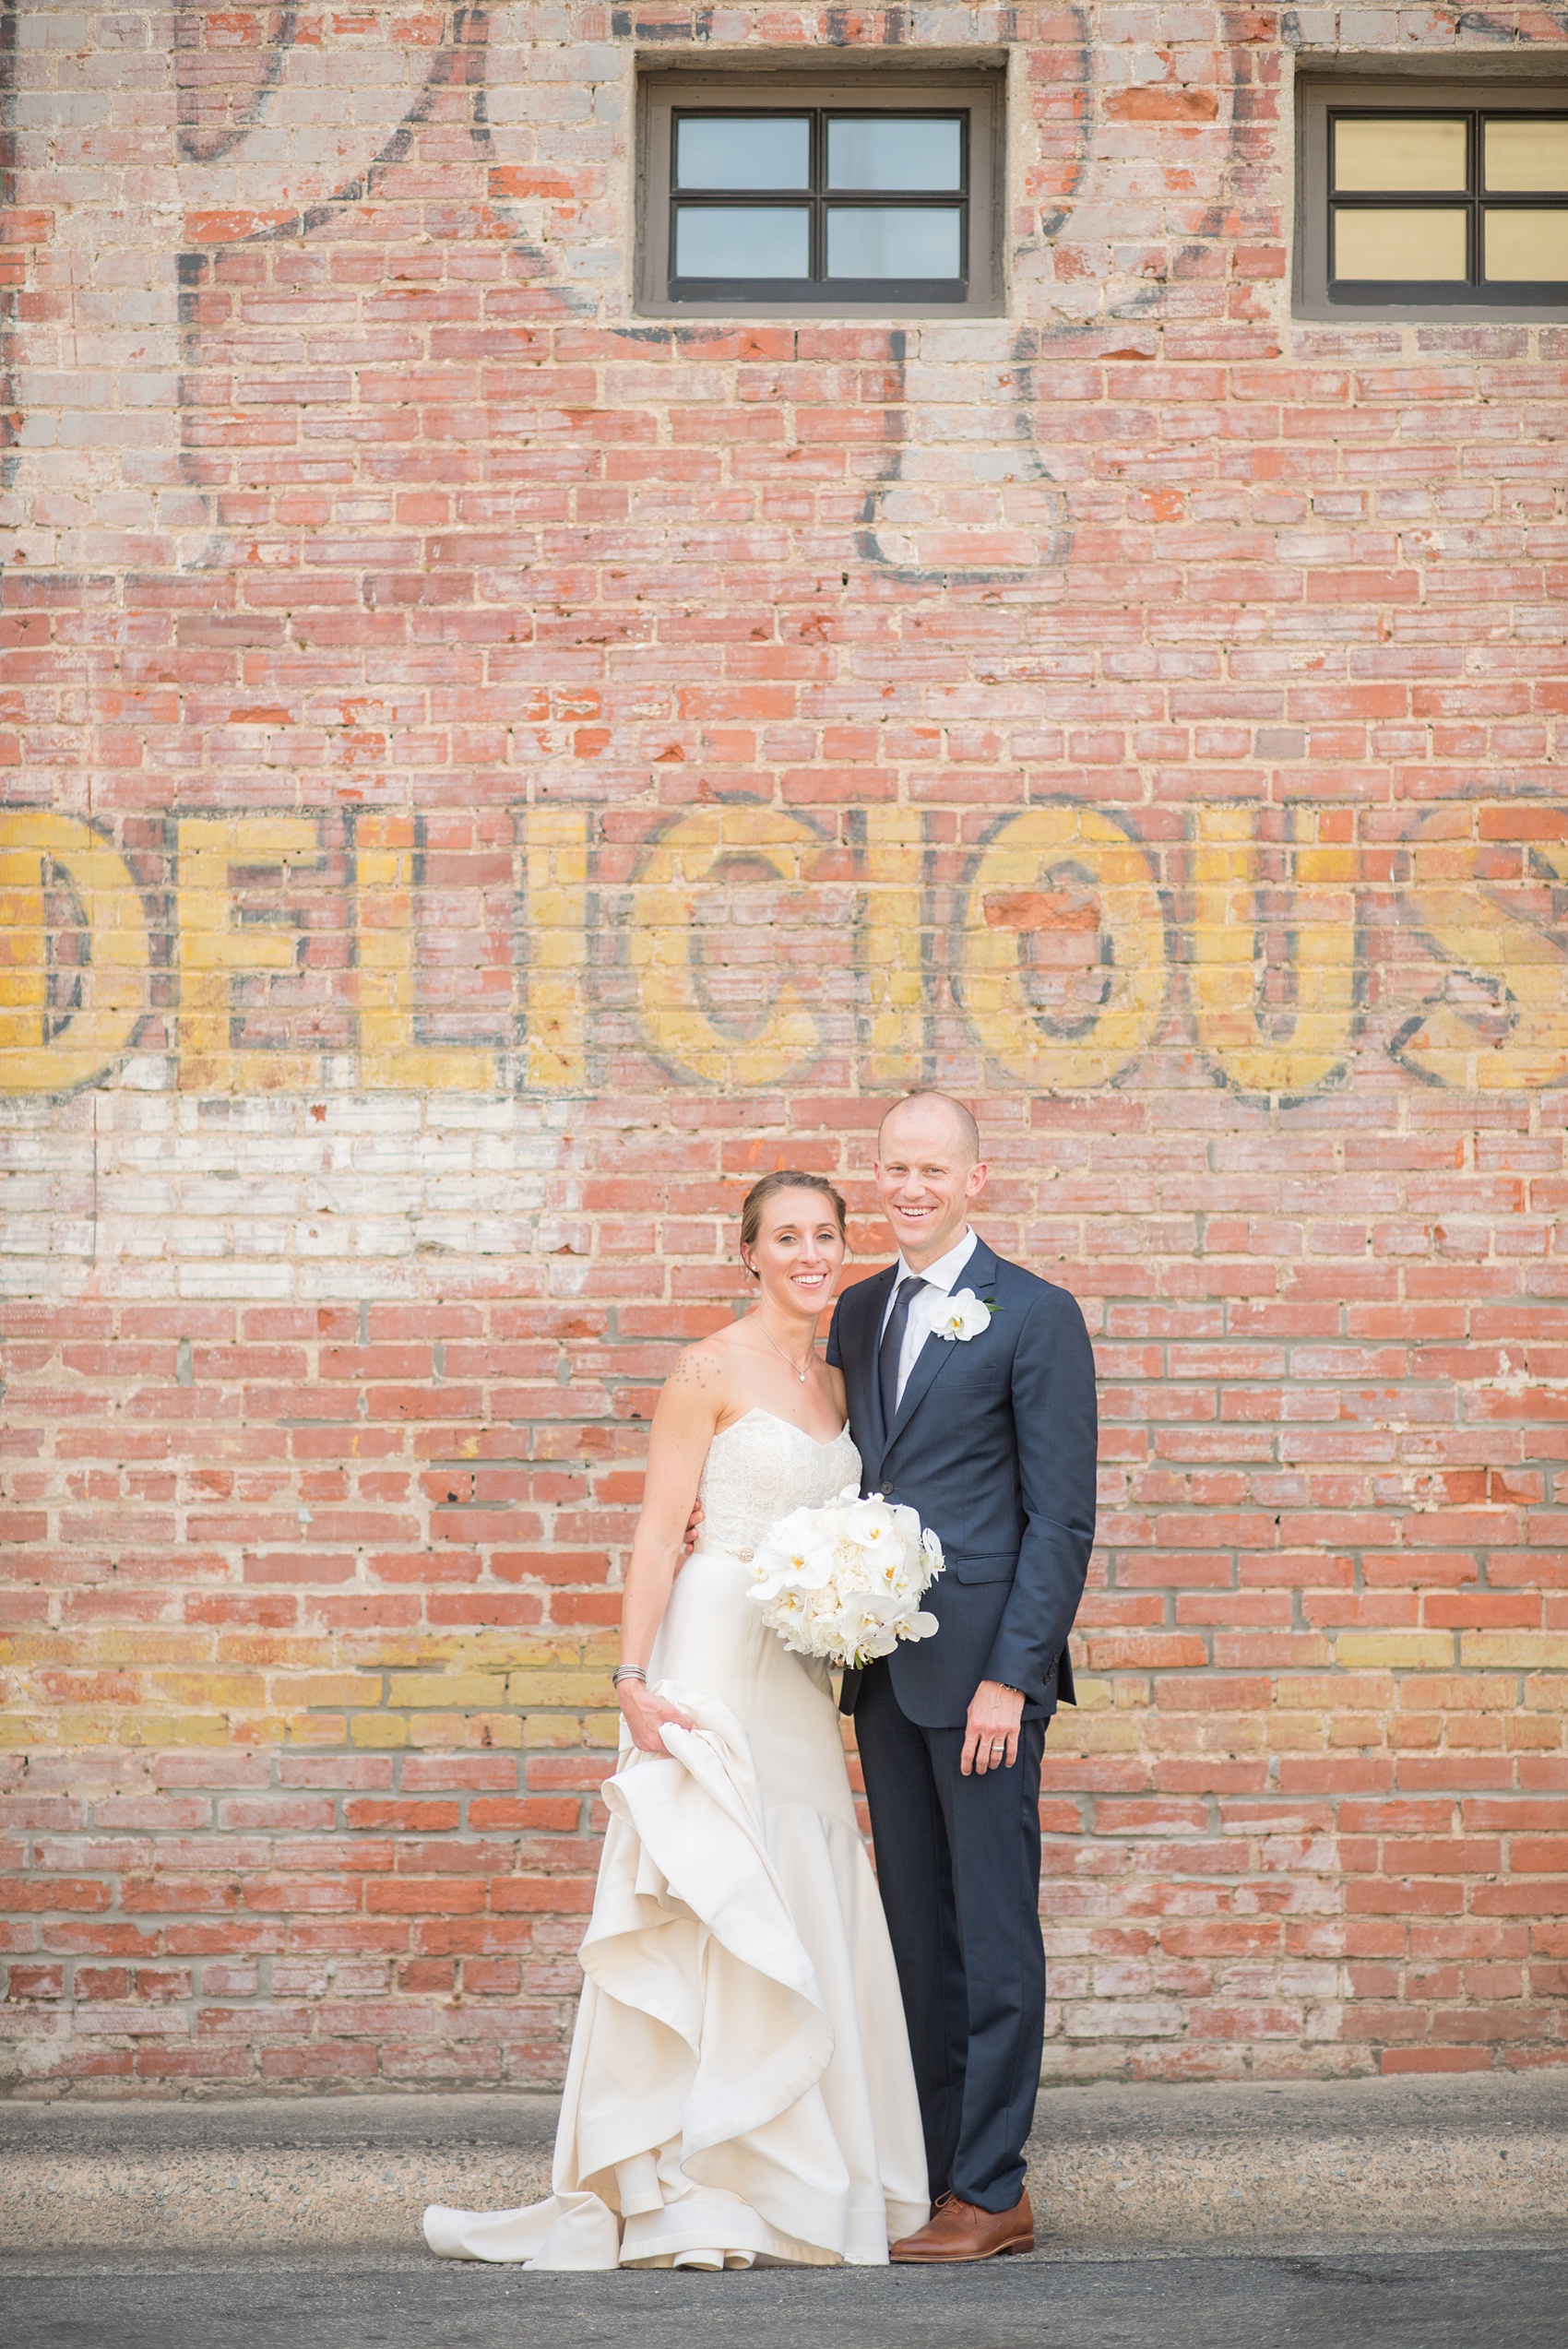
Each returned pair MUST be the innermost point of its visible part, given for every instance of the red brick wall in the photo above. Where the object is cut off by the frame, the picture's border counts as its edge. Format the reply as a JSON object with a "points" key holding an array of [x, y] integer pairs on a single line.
{"points": [[487, 776]]}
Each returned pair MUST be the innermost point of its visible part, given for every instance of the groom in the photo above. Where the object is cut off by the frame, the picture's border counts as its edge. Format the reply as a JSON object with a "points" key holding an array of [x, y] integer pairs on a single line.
{"points": [[971, 1397]]}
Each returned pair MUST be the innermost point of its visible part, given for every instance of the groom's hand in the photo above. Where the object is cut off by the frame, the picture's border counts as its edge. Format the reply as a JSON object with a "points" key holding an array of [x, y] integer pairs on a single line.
{"points": [[990, 1730], [689, 1538]]}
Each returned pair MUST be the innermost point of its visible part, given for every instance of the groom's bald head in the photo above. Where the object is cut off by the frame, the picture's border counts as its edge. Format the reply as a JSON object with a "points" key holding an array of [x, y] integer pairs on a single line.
{"points": [[928, 1173], [928, 1106]]}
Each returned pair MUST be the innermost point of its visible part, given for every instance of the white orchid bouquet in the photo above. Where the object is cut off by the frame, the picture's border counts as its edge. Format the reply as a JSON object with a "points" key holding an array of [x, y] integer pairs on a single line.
{"points": [[845, 1582]]}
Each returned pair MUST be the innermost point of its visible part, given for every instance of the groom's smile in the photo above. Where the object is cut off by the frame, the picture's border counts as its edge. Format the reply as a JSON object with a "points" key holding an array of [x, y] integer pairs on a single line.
{"points": [[928, 1172]]}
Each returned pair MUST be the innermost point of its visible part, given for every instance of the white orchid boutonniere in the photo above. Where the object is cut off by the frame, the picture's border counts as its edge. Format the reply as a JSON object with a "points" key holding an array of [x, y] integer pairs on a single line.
{"points": [[962, 1316]]}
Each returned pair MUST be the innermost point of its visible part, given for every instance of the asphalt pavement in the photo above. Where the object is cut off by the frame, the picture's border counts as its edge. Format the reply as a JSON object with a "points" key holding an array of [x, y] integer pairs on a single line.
{"points": [[1371, 2299], [1115, 2171]]}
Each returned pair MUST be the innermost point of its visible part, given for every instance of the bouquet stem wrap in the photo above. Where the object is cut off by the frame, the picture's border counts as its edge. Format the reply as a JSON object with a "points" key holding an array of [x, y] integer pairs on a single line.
{"points": [[845, 1582]]}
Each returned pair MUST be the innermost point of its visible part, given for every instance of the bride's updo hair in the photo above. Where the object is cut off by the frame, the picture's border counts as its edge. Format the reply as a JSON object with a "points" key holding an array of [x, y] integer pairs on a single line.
{"points": [[786, 1179]]}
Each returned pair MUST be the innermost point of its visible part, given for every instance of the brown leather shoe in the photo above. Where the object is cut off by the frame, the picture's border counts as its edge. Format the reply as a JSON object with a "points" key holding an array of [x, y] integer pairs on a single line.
{"points": [[959, 2230]]}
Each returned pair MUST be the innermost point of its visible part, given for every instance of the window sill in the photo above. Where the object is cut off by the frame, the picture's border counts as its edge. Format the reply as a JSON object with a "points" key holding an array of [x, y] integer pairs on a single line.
{"points": [[1430, 314], [818, 314]]}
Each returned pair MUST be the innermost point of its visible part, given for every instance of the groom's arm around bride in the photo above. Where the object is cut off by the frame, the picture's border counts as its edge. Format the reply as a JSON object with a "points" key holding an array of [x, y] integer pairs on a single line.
{"points": [[971, 1397]]}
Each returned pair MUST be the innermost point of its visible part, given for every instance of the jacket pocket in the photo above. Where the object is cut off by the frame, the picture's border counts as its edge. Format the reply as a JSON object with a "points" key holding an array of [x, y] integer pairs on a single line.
{"points": [[999, 1567]]}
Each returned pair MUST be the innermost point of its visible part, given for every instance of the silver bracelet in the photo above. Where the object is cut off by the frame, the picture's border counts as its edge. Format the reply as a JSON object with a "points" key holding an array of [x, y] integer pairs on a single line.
{"points": [[628, 1672]]}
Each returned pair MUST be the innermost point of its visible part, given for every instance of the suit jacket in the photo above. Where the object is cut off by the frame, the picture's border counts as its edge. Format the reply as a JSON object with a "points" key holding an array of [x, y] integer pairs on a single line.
{"points": [[994, 1444]]}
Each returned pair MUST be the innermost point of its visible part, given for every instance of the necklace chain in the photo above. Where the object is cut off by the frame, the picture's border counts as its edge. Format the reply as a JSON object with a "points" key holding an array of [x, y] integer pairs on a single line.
{"points": [[780, 1351]]}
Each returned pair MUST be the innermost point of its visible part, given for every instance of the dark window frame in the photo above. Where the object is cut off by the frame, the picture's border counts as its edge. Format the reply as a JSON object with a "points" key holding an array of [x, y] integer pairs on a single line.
{"points": [[1322, 100], [816, 197], [777, 85]]}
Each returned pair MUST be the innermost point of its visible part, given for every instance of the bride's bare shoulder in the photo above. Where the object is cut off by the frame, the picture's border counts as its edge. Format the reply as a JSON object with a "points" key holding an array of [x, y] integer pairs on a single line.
{"points": [[699, 1365], [702, 1372]]}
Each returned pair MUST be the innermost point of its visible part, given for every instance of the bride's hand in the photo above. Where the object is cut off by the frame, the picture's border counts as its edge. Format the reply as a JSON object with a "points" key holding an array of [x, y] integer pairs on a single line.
{"points": [[646, 1715]]}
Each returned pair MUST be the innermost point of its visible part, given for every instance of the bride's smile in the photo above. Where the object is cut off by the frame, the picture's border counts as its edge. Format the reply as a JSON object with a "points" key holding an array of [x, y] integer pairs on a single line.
{"points": [[795, 1255]]}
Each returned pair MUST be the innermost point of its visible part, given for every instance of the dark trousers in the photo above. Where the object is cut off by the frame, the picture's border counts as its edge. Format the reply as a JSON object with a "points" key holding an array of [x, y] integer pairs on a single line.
{"points": [[958, 1862]]}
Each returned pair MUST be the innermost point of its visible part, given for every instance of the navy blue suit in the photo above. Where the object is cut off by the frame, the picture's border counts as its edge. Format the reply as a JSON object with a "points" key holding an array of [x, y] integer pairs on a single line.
{"points": [[993, 1444]]}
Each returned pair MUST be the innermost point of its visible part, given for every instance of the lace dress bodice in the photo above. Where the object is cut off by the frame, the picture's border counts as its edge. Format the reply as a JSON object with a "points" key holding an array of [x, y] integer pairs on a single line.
{"points": [[762, 1467]]}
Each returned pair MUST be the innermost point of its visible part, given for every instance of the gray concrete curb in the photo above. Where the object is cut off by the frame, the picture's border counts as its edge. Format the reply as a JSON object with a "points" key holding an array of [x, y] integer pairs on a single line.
{"points": [[1476, 2158]]}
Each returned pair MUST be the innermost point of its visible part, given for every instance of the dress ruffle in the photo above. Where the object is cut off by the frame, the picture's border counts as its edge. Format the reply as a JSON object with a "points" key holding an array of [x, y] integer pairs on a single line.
{"points": [[727, 2099]]}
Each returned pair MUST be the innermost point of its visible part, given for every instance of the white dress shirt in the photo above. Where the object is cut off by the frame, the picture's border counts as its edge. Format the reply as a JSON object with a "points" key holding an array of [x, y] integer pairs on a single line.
{"points": [[942, 1280]]}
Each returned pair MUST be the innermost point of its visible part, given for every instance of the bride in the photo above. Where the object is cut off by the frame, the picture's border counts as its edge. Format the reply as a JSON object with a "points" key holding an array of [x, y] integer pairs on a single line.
{"points": [[740, 2086]]}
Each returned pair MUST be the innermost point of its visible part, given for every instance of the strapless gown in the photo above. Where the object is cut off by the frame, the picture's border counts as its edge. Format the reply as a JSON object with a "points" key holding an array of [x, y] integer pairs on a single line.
{"points": [[740, 2086]]}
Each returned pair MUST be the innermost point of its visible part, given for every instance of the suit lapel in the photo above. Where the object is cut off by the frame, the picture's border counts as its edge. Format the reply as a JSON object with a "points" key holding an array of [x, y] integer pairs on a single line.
{"points": [[868, 1330], [937, 1352], [979, 1272]]}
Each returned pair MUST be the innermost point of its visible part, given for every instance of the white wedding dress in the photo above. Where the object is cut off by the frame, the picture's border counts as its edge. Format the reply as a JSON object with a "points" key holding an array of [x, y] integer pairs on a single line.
{"points": [[740, 2085]]}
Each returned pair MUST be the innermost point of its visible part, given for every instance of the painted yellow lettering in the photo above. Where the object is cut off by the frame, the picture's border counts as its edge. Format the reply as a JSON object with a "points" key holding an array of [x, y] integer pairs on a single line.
{"points": [[222, 949], [1273, 952], [713, 929], [392, 1052], [557, 930], [1061, 949], [893, 985], [74, 953], [1495, 909]]}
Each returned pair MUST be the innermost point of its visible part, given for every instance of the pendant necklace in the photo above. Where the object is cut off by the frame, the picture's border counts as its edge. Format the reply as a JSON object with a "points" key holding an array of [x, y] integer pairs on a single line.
{"points": [[780, 1351]]}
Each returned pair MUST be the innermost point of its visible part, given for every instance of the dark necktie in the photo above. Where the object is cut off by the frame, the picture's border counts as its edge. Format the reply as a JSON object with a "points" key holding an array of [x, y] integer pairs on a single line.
{"points": [[893, 1346]]}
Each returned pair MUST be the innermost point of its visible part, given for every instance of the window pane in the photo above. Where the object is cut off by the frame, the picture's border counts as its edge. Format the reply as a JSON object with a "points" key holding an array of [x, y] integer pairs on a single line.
{"points": [[743, 150], [1527, 154], [1521, 246], [893, 151], [1405, 152], [742, 241], [1424, 245], [892, 240]]}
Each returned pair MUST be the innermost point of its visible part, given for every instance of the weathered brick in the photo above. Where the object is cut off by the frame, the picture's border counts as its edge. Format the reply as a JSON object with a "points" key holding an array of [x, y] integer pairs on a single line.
{"points": [[514, 775]]}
